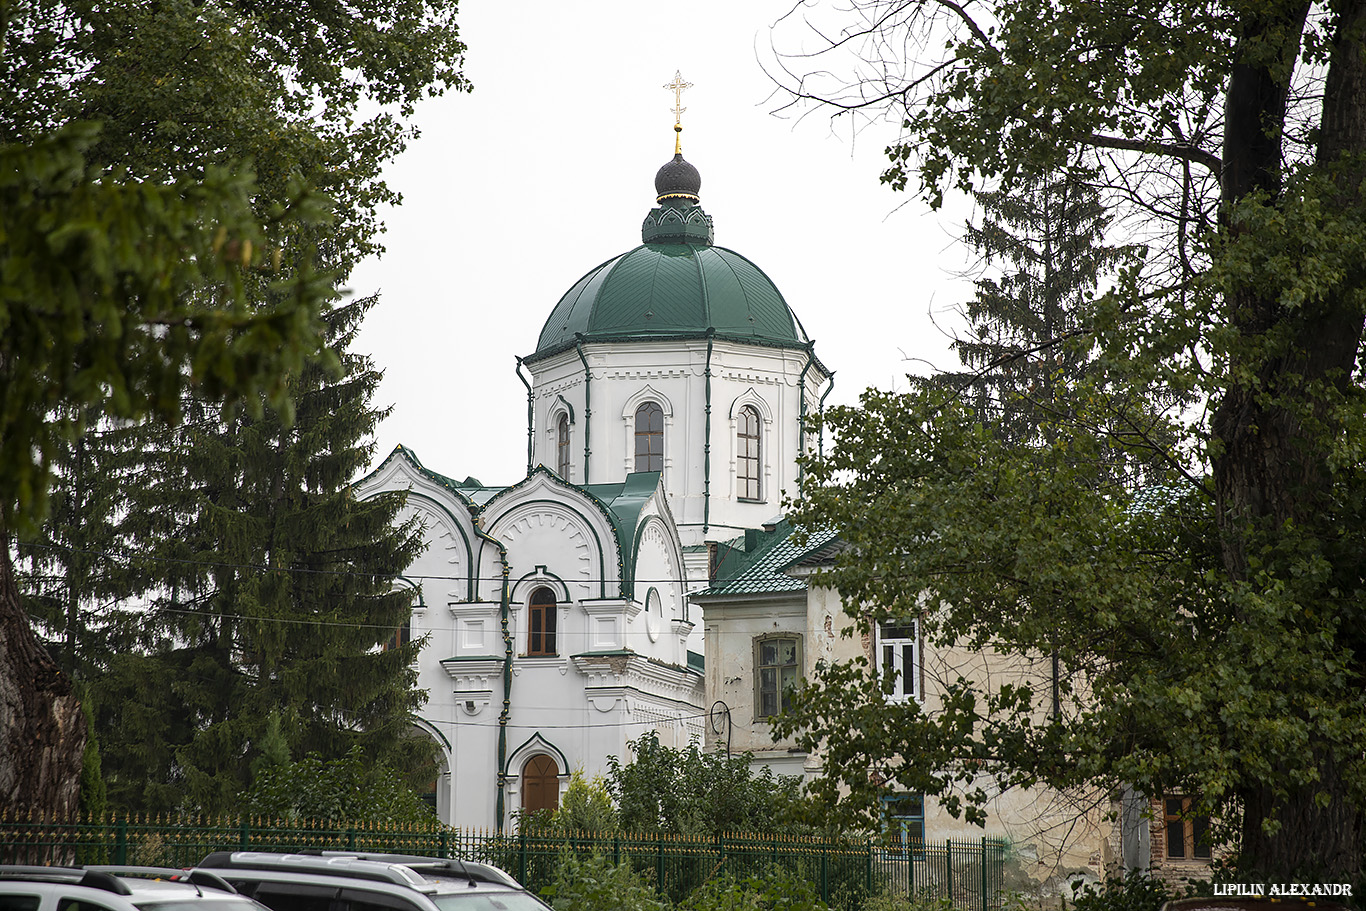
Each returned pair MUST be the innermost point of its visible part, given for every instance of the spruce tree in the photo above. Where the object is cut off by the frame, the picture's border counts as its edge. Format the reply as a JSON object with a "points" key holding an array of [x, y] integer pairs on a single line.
{"points": [[276, 598], [1046, 244], [1029, 355]]}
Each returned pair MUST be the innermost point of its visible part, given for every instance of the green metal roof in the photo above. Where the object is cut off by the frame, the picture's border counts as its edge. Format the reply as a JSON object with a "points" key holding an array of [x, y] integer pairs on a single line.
{"points": [[754, 563], [672, 290]]}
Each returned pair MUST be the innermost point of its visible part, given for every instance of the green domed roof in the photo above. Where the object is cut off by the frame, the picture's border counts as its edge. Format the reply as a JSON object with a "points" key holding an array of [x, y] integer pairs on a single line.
{"points": [[675, 285], [662, 291]]}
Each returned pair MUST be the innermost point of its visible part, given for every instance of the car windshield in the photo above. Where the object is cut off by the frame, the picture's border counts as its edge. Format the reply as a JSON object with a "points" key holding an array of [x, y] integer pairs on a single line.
{"points": [[474, 900]]}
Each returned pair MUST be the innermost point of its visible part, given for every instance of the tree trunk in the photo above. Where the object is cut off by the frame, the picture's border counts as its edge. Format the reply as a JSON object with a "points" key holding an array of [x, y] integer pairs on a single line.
{"points": [[1276, 432], [1313, 843], [42, 727]]}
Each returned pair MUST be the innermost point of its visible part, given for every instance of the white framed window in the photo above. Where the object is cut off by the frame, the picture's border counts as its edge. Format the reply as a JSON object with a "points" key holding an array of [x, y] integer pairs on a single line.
{"points": [[777, 669], [899, 652], [541, 616], [649, 437], [749, 463], [562, 446]]}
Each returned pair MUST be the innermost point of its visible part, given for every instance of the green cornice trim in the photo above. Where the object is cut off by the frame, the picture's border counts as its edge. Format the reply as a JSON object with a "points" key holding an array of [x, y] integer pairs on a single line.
{"points": [[546, 746], [606, 513], [590, 338], [540, 574], [471, 571], [431, 730], [567, 407]]}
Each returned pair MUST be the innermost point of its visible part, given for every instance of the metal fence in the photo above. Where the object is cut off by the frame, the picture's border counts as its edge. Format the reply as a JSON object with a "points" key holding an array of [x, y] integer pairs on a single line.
{"points": [[843, 872]]}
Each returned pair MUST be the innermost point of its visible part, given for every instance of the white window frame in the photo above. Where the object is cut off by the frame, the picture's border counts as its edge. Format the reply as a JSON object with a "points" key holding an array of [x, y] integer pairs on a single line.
{"points": [[895, 646], [564, 446]]}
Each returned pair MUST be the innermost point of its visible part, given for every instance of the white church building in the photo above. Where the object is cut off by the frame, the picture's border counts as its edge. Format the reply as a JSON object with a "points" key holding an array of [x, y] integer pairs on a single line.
{"points": [[669, 393]]}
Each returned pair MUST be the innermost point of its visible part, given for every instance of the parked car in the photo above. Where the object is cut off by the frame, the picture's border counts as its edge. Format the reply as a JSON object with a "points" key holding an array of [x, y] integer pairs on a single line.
{"points": [[339, 881], [117, 888]]}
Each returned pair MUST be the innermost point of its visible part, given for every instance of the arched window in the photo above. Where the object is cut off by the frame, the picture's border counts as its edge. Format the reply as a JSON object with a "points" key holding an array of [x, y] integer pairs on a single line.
{"points": [[540, 784], [649, 437], [540, 640], [562, 447], [748, 466]]}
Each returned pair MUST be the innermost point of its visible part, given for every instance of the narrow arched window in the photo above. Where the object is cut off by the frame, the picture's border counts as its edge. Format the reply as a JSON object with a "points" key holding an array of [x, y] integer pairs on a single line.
{"points": [[562, 447], [649, 437], [749, 466], [540, 639], [540, 784]]}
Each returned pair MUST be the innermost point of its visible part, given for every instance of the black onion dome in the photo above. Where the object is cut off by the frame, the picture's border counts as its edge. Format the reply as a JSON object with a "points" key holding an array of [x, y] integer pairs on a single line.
{"points": [[677, 179]]}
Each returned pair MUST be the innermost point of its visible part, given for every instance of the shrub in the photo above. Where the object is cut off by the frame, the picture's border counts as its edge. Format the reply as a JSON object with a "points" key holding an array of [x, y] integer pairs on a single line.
{"points": [[585, 807], [895, 901], [773, 890], [591, 882], [1134, 892]]}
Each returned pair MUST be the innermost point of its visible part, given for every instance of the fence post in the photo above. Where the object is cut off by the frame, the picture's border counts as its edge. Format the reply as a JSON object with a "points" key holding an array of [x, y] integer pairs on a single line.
{"points": [[616, 850], [521, 856], [244, 835], [350, 838], [870, 866], [825, 872], [121, 840], [445, 844], [948, 866], [659, 864], [984, 873]]}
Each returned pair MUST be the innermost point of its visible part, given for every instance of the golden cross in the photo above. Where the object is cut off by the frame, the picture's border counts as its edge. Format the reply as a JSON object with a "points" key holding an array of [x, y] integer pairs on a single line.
{"points": [[677, 87]]}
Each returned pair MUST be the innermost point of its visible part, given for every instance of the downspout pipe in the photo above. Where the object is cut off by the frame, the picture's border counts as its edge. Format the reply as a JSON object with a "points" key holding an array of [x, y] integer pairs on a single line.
{"points": [[820, 442], [505, 715], [587, 404], [530, 429], [706, 444], [801, 413]]}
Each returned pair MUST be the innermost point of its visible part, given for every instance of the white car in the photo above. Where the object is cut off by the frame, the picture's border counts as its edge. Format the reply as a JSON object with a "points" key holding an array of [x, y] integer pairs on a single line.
{"points": [[117, 888]]}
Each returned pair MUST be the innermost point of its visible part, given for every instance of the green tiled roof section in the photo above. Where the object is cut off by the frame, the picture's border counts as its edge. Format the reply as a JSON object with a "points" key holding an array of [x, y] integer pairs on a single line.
{"points": [[753, 564], [624, 503], [672, 291], [469, 490]]}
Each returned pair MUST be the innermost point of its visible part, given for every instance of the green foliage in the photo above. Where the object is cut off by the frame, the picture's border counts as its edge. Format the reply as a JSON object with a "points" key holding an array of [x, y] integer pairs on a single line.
{"points": [[1208, 630], [586, 806], [775, 889], [689, 792], [351, 788], [94, 794], [896, 900], [125, 294], [183, 187], [591, 882], [1135, 891], [276, 602]]}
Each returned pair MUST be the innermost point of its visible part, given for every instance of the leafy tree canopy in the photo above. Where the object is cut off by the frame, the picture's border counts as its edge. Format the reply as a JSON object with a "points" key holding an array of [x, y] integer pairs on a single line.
{"points": [[1208, 624], [350, 788], [182, 185], [689, 792]]}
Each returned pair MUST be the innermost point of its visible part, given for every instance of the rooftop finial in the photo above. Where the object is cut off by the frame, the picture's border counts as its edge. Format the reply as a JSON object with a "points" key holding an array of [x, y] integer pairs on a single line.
{"points": [[677, 87]]}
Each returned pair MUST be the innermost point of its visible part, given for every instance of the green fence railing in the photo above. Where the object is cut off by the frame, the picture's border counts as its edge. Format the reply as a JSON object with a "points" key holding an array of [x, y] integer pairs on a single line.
{"points": [[843, 871]]}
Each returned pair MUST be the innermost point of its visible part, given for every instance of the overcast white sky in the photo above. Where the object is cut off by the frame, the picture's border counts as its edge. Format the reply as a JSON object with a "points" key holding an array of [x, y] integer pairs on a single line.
{"points": [[546, 170]]}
